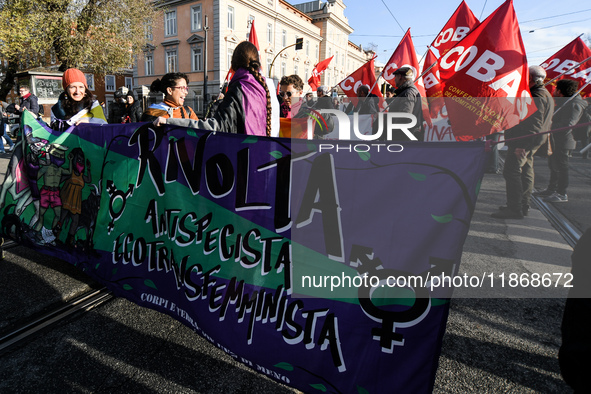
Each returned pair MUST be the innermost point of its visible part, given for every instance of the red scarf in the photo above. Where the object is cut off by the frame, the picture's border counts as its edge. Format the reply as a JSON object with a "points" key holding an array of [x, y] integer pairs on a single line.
{"points": [[26, 96]]}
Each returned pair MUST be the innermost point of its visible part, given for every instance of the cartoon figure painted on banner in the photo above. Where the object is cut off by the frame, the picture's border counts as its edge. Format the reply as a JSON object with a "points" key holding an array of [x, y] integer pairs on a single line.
{"points": [[21, 181], [51, 172], [71, 193], [87, 217]]}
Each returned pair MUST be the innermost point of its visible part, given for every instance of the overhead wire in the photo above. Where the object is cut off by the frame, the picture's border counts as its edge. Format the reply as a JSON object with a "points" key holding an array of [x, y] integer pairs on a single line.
{"points": [[555, 16], [385, 5]]}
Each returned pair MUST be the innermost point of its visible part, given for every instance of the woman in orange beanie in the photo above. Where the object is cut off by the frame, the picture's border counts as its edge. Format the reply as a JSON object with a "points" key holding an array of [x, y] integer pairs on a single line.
{"points": [[76, 104]]}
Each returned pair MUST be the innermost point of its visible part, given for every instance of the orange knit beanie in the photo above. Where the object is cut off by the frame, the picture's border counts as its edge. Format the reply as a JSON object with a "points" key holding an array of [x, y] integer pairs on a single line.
{"points": [[72, 75]]}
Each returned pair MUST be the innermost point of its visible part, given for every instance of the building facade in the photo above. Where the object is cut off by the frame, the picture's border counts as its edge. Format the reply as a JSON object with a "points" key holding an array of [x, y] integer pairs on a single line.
{"points": [[198, 37]]}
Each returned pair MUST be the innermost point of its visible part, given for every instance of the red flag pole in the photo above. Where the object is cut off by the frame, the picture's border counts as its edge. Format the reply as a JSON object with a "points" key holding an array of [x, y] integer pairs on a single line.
{"points": [[377, 79]]}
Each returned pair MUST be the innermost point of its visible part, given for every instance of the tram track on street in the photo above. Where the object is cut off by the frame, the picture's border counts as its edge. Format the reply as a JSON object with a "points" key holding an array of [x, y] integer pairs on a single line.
{"points": [[564, 227], [23, 333]]}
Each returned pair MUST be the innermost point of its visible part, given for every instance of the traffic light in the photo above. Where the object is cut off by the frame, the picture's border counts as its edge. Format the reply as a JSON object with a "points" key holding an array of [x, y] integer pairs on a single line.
{"points": [[299, 43]]}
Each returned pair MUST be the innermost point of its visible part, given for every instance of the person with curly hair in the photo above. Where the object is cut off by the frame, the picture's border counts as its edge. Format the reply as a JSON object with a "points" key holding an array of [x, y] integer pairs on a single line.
{"points": [[175, 87], [246, 107]]}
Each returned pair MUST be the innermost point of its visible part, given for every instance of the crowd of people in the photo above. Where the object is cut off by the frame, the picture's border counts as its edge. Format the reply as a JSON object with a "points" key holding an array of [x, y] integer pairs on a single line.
{"points": [[249, 105]]}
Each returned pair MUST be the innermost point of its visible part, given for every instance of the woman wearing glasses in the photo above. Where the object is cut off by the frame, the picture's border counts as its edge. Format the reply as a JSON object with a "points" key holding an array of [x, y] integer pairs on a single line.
{"points": [[175, 88], [246, 107]]}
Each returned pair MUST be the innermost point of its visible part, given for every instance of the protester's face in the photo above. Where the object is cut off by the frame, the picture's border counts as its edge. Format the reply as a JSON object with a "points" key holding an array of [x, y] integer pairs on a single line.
{"points": [[389, 94], [130, 99], [178, 93], [23, 91], [558, 93], [288, 92], [76, 91], [320, 93], [361, 92]]}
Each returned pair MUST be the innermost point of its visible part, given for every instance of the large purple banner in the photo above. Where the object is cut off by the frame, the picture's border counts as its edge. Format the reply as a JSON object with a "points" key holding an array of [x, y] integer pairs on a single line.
{"points": [[313, 262]]}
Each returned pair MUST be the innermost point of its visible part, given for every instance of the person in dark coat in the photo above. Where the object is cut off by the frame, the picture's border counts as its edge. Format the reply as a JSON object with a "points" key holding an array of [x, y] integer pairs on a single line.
{"points": [[118, 108], [134, 109], [574, 355], [28, 101], [570, 106], [367, 103], [323, 101], [407, 99], [519, 164], [213, 106]]}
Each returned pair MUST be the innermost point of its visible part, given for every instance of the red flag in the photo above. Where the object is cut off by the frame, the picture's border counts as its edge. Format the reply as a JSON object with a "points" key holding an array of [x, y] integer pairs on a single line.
{"points": [[406, 56], [459, 25], [432, 82], [364, 75], [314, 80], [252, 36], [487, 76], [228, 78], [576, 51]]}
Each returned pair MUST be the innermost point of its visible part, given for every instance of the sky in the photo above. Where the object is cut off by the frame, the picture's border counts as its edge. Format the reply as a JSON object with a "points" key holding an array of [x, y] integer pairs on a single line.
{"points": [[543, 31]]}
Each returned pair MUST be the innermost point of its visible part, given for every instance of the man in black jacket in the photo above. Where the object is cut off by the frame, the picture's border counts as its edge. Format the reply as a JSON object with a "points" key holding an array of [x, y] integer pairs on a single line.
{"points": [[519, 170], [407, 99], [570, 107], [28, 101], [367, 103]]}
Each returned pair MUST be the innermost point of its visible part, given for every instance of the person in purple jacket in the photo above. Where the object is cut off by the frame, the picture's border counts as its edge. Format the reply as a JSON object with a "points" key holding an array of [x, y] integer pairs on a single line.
{"points": [[246, 107]]}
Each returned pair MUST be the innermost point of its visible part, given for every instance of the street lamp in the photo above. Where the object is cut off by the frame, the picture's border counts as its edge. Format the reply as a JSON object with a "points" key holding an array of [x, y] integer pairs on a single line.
{"points": [[299, 44]]}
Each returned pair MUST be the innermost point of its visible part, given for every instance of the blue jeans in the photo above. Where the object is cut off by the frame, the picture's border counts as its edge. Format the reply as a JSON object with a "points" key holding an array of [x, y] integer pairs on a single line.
{"points": [[6, 137]]}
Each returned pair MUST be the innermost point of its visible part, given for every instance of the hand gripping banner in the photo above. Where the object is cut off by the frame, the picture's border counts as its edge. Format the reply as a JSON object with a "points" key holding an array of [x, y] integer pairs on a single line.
{"points": [[280, 252]]}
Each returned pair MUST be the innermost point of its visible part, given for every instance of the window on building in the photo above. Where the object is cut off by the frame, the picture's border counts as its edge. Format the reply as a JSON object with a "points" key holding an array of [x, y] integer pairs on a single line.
{"points": [[269, 60], [196, 101], [283, 69], [170, 23], [296, 69], [284, 37], [307, 47], [329, 52], [231, 18], [306, 74], [317, 53], [90, 81], [196, 17], [336, 58], [327, 81], [149, 64], [109, 83], [148, 32], [171, 61], [230, 53], [129, 83], [269, 33], [197, 59]]}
